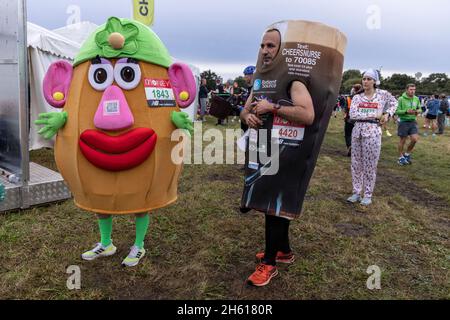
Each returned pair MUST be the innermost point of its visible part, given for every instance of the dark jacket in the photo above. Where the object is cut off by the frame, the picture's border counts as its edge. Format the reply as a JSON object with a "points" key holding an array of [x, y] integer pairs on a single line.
{"points": [[444, 106], [203, 92]]}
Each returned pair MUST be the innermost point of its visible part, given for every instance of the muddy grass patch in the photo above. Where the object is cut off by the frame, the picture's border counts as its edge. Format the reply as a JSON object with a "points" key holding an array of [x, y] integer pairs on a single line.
{"points": [[352, 230], [396, 183]]}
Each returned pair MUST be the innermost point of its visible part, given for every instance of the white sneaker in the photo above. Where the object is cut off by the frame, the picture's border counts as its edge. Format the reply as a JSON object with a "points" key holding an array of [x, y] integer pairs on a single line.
{"points": [[366, 201], [99, 251], [354, 198], [133, 257]]}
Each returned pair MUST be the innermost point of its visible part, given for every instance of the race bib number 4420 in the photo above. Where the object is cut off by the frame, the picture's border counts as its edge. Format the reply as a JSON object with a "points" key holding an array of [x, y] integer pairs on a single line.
{"points": [[159, 93], [283, 129]]}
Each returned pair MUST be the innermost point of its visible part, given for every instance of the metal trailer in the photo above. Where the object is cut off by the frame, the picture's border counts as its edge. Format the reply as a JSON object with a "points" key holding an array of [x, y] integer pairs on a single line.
{"points": [[26, 183]]}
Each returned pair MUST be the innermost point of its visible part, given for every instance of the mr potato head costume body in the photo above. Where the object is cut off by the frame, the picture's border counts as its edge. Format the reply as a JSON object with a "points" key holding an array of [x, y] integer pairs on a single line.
{"points": [[121, 101]]}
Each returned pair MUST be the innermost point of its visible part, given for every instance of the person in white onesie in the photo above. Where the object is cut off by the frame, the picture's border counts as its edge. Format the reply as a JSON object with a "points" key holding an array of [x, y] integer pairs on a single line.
{"points": [[370, 110]]}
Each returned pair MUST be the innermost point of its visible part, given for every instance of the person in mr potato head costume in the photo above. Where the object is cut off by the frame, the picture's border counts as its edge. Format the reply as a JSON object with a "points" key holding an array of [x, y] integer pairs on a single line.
{"points": [[121, 103]]}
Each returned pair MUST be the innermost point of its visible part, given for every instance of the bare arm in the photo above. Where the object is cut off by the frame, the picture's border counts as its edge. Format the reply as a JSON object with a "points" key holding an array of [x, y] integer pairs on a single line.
{"points": [[247, 116], [302, 111]]}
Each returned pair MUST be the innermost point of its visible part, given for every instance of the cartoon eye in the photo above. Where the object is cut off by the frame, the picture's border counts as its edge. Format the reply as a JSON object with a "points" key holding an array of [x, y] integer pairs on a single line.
{"points": [[127, 75], [101, 76]]}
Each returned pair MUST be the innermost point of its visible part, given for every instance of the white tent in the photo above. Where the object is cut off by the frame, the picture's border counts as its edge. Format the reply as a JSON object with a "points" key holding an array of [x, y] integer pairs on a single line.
{"points": [[193, 108], [77, 32], [44, 47]]}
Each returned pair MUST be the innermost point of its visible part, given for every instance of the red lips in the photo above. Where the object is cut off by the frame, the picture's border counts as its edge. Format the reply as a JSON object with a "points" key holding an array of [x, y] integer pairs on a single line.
{"points": [[120, 152]]}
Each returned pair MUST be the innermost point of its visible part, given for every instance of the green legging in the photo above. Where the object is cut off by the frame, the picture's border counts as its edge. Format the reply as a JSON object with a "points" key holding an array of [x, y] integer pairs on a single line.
{"points": [[142, 223], [105, 225]]}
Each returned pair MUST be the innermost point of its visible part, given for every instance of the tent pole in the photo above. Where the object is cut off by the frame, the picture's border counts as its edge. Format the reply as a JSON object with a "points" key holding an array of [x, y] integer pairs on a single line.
{"points": [[24, 108]]}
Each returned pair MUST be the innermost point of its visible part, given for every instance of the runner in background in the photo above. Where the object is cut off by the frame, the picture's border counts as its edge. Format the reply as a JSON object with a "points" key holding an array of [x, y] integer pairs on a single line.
{"points": [[248, 76], [370, 110], [432, 113], [203, 99], [349, 124], [407, 110], [443, 110]]}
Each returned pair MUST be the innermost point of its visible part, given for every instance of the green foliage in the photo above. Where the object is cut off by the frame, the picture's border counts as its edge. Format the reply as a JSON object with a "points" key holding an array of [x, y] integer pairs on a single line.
{"points": [[241, 82], [347, 85], [211, 78], [397, 83], [351, 74], [435, 83], [350, 78]]}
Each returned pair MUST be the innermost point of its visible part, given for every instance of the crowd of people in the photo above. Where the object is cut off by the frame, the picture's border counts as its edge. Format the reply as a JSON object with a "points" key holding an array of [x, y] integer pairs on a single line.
{"points": [[435, 110], [230, 91]]}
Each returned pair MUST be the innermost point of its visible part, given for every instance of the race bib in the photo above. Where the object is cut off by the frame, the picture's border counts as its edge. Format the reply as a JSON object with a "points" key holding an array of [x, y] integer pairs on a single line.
{"points": [[159, 93], [285, 130], [369, 109]]}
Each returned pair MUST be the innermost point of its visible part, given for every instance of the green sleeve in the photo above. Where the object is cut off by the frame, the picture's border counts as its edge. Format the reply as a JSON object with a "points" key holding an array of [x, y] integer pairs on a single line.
{"points": [[401, 110]]}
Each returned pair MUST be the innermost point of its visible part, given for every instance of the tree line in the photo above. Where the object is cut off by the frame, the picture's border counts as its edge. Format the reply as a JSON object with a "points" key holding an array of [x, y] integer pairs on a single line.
{"points": [[435, 83], [211, 78]]}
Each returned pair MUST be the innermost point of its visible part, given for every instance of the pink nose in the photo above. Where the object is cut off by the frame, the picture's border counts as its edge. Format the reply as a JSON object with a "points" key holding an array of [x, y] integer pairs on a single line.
{"points": [[113, 112]]}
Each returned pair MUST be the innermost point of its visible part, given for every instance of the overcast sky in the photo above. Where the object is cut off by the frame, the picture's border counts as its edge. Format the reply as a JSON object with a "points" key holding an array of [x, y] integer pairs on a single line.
{"points": [[404, 36]]}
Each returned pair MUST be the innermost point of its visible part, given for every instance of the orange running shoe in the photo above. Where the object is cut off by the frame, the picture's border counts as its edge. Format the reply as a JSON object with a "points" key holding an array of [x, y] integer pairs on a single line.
{"points": [[286, 258], [263, 274]]}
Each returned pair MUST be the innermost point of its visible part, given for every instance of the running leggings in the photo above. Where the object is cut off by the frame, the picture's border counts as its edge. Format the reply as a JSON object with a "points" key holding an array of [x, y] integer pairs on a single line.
{"points": [[277, 238]]}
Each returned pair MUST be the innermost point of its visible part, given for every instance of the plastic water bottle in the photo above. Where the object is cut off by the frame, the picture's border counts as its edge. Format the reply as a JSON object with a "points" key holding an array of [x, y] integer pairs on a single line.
{"points": [[13, 178]]}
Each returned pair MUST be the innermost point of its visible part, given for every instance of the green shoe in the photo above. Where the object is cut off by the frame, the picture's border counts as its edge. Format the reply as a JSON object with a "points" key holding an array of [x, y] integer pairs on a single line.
{"points": [[134, 257], [99, 251]]}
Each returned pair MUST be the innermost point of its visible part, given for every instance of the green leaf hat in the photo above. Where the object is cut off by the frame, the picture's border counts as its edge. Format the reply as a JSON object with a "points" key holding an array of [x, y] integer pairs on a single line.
{"points": [[124, 38]]}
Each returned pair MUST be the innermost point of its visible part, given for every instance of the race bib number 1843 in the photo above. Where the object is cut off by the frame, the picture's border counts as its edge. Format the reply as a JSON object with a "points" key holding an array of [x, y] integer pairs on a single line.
{"points": [[159, 93]]}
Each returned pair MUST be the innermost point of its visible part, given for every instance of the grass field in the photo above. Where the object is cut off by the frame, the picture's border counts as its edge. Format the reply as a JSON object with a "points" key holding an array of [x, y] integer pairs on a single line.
{"points": [[203, 248]]}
